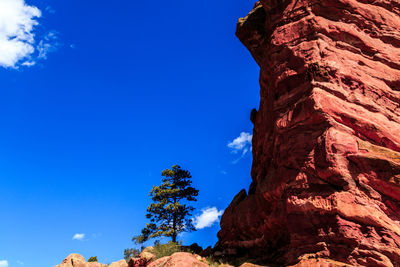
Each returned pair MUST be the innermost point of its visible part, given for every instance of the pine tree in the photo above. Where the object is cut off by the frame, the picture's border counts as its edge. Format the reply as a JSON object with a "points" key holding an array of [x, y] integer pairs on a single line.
{"points": [[168, 213]]}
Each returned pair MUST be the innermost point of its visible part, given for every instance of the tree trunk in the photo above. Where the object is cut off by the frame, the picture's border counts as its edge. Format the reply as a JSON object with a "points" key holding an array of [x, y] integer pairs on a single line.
{"points": [[174, 237], [174, 215]]}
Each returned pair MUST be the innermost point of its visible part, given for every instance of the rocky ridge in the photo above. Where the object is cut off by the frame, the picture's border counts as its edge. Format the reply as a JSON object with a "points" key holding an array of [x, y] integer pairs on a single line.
{"points": [[76, 260], [326, 143], [147, 258]]}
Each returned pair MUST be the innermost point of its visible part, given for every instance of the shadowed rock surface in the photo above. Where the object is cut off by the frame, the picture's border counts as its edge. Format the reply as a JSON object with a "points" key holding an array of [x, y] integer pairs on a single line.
{"points": [[326, 144]]}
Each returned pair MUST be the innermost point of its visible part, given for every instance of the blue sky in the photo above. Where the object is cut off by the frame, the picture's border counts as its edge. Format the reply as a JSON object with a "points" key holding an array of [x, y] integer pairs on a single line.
{"points": [[96, 99]]}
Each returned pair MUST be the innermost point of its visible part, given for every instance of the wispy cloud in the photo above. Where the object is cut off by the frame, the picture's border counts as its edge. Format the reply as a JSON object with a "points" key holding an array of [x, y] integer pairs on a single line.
{"points": [[78, 237], [50, 10], [17, 21], [241, 144], [96, 235], [207, 218], [3, 263], [48, 44], [28, 63], [20, 262]]}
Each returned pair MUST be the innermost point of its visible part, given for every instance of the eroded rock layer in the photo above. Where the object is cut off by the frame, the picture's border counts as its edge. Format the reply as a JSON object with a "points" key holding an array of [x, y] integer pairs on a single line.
{"points": [[326, 142]]}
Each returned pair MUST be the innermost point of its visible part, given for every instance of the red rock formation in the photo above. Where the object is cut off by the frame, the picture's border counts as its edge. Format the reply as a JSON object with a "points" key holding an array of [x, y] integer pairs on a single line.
{"points": [[138, 262], [76, 260], [326, 143], [179, 259], [145, 257]]}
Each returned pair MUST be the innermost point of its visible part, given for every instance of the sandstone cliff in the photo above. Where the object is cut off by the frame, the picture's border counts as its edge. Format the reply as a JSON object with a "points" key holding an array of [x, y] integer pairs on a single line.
{"points": [[326, 146]]}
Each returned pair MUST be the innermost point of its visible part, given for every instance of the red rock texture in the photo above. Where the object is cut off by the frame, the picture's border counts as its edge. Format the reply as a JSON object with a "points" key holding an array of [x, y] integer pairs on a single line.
{"points": [[138, 262], [145, 257], [183, 259], [326, 142]]}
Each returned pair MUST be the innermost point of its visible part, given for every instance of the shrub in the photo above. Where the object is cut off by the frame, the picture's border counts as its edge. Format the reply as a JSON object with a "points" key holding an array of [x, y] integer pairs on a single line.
{"points": [[163, 250], [92, 259]]}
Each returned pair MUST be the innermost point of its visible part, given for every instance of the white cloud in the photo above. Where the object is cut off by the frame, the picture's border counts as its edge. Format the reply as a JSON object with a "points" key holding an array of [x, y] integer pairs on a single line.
{"points": [[29, 63], [78, 237], [17, 20], [207, 218], [241, 143], [3, 263]]}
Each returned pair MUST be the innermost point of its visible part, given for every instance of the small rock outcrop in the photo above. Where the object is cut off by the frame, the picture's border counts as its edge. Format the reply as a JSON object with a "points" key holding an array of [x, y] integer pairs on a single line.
{"points": [[326, 144], [145, 257], [73, 260], [76, 260]]}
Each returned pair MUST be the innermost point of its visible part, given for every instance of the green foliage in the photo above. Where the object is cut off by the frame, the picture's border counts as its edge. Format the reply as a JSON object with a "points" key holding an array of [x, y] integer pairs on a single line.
{"points": [[131, 253], [92, 259], [164, 250], [169, 214]]}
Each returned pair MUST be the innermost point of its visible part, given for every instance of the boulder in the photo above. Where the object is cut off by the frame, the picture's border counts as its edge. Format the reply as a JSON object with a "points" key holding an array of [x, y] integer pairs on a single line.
{"points": [[320, 263], [144, 258], [138, 262], [76, 260], [121, 263], [148, 254], [180, 259], [73, 260], [326, 142], [193, 248]]}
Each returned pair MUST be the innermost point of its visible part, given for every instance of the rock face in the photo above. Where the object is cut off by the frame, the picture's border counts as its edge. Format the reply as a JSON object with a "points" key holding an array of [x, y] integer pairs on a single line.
{"points": [[326, 143]]}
